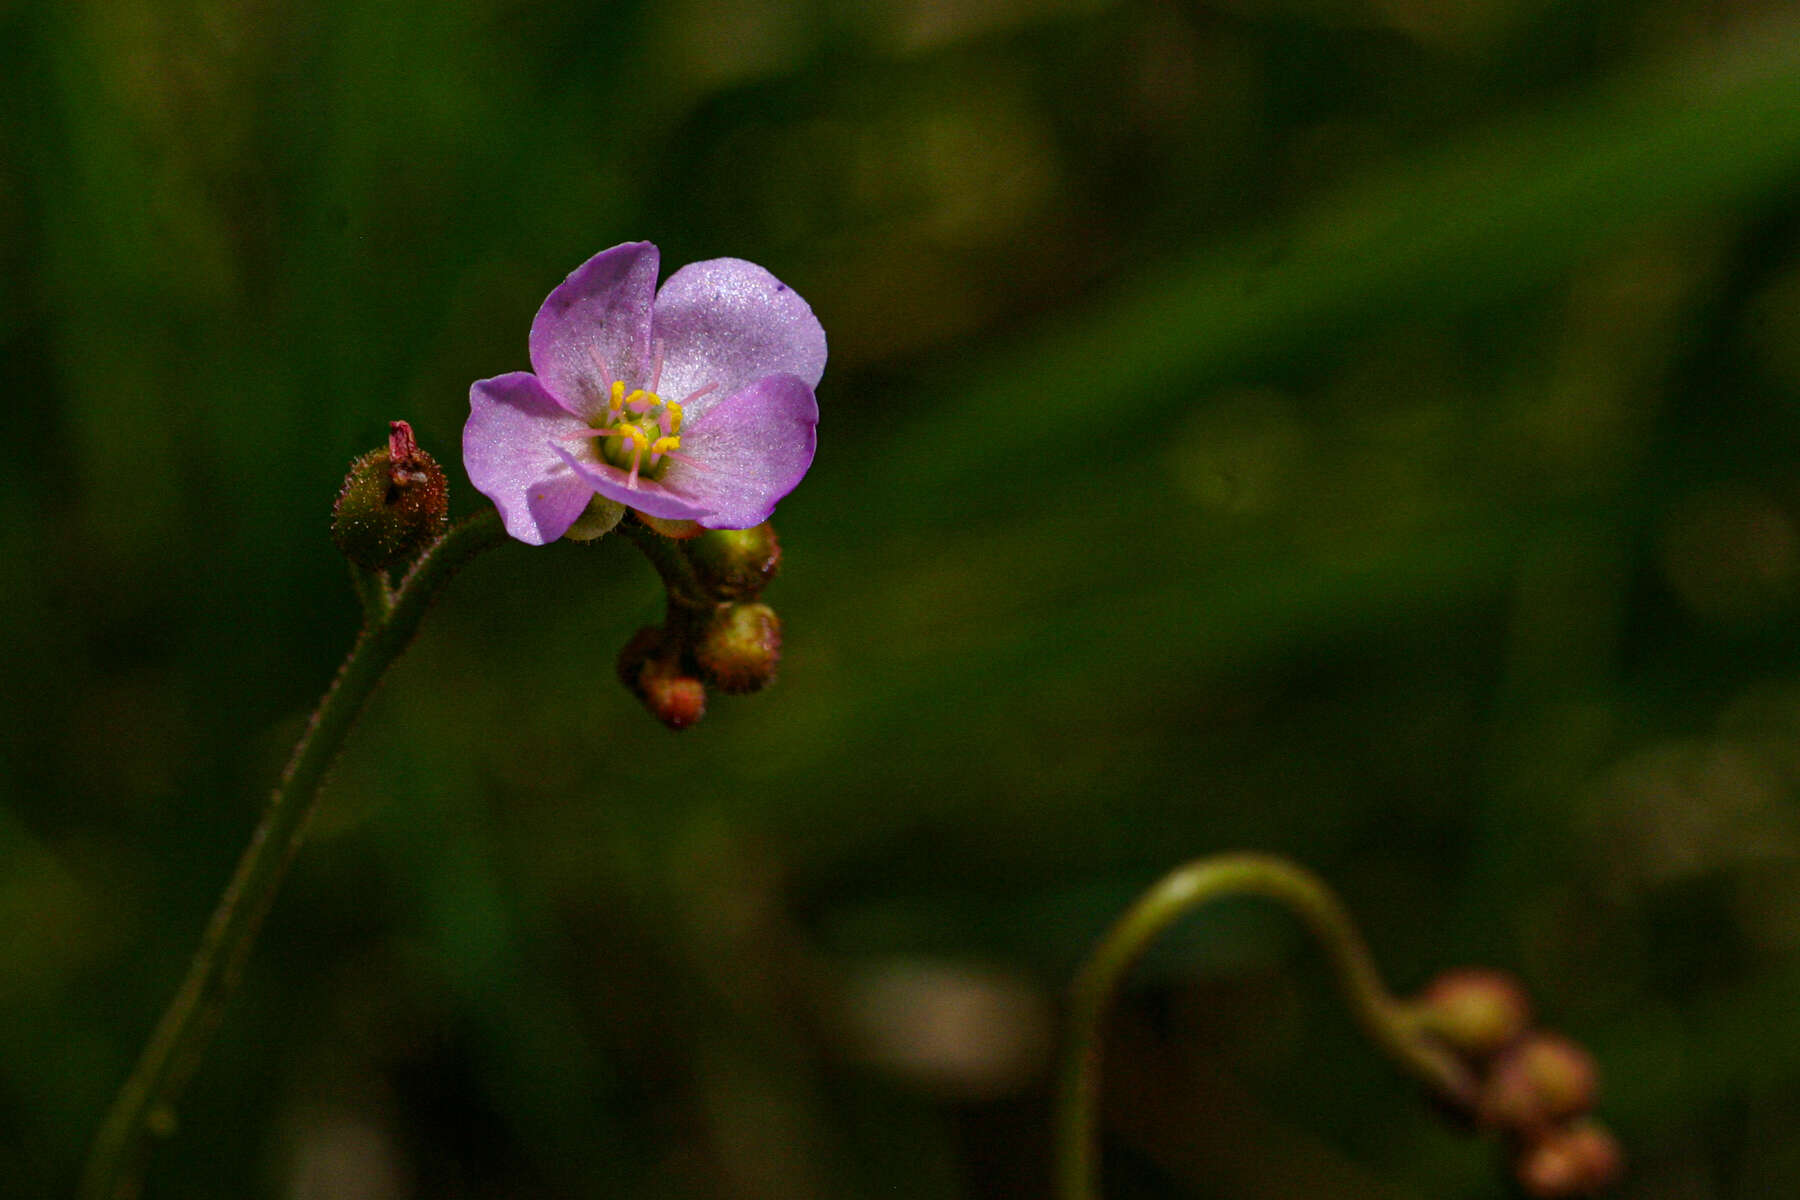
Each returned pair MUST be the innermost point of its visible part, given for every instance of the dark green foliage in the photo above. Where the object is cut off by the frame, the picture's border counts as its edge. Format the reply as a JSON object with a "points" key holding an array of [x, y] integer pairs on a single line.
{"points": [[1364, 432]]}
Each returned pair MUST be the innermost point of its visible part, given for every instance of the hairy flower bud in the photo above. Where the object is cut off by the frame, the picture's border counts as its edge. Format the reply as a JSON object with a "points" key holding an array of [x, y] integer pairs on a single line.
{"points": [[735, 564], [1540, 1081], [739, 648], [393, 503], [1474, 1011], [600, 518], [1575, 1160]]}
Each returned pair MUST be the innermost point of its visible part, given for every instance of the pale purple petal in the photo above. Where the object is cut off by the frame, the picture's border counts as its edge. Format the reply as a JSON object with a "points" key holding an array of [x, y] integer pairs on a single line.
{"points": [[599, 314], [650, 496], [730, 323], [748, 451], [509, 452]]}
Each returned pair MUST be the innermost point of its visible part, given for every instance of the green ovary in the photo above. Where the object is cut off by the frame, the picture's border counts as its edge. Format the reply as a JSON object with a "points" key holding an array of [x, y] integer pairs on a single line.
{"points": [[640, 431]]}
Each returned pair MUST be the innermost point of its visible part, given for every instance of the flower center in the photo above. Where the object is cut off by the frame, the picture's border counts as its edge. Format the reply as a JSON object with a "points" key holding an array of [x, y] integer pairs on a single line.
{"points": [[638, 431]]}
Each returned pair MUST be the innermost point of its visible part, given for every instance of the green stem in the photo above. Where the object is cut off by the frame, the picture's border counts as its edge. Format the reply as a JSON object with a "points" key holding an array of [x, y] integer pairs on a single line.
{"points": [[145, 1105], [373, 591], [1385, 1020], [671, 564]]}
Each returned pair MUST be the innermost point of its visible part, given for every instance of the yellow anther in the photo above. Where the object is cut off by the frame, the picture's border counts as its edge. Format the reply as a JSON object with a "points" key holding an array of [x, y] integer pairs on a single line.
{"points": [[662, 446], [637, 436], [674, 411], [617, 400], [640, 401]]}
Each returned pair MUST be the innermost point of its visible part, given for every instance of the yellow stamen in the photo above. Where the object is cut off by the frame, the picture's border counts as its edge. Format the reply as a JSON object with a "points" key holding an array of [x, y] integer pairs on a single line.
{"points": [[616, 401], [672, 417], [662, 446], [639, 439]]}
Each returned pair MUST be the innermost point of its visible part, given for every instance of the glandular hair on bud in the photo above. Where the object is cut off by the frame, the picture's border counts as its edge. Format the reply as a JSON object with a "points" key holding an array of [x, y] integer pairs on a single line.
{"points": [[735, 564], [394, 502], [739, 648]]}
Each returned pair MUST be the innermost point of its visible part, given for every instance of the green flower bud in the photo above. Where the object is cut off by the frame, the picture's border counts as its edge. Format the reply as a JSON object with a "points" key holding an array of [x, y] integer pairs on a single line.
{"points": [[735, 564], [1473, 1011], [598, 519], [739, 648], [393, 504]]}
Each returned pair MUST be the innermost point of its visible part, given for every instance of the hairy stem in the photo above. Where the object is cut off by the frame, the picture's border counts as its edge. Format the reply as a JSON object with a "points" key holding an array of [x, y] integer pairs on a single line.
{"points": [[145, 1105], [1385, 1020], [373, 591]]}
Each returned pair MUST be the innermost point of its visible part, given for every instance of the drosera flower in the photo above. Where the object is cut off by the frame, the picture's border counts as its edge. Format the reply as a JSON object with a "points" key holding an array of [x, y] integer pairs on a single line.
{"points": [[689, 403]]}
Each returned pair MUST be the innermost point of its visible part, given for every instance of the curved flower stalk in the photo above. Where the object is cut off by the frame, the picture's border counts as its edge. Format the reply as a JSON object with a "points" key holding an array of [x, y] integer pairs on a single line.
{"points": [[689, 403], [1466, 1038]]}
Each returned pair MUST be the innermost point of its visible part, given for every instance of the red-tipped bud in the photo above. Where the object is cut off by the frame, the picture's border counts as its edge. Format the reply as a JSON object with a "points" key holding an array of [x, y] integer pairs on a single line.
{"points": [[1539, 1081], [394, 502], [735, 564], [739, 648], [678, 701], [1474, 1011], [1578, 1160], [650, 668]]}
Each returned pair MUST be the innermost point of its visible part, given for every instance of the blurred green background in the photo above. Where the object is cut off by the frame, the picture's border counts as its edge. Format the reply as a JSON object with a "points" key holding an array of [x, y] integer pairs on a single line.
{"points": [[1359, 429]]}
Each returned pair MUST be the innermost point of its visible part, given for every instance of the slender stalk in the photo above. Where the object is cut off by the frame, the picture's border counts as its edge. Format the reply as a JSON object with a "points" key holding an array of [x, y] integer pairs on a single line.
{"points": [[671, 564], [145, 1105], [1384, 1019], [373, 591]]}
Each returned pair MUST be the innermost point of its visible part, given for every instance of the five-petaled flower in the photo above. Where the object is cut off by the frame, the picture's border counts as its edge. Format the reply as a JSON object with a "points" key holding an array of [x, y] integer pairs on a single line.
{"points": [[692, 402]]}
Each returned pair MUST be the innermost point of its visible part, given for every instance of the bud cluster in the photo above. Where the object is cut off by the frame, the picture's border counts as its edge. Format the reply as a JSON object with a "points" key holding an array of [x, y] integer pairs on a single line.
{"points": [[1536, 1088], [717, 633]]}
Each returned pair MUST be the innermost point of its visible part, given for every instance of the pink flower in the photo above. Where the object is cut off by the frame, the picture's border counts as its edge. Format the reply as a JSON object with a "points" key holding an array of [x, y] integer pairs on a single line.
{"points": [[694, 402]]}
